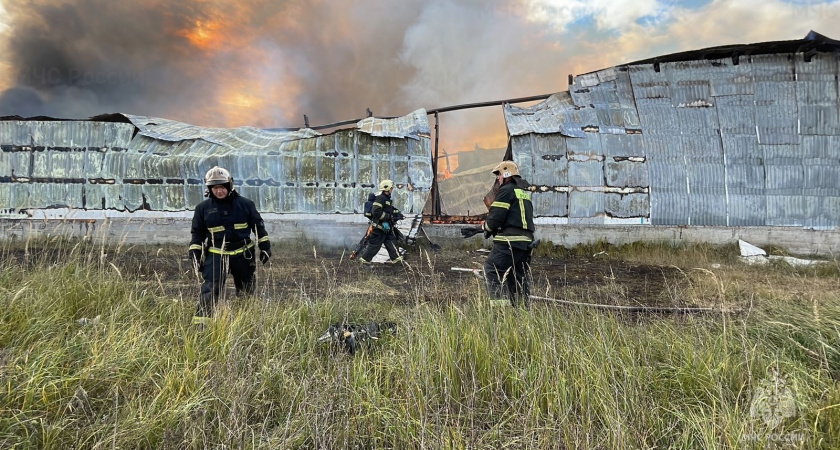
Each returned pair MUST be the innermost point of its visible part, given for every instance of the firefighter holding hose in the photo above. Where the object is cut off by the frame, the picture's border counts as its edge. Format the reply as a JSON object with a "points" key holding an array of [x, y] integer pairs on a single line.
{"points": [[510, 222]]}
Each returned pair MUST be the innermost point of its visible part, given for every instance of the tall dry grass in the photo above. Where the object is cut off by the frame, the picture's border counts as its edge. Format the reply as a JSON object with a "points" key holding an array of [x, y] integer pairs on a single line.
{"points": [[93, 355]]}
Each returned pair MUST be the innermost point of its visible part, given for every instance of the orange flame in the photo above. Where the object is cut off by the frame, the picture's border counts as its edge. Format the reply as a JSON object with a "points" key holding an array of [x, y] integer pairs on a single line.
{"points": [[205, 35]]}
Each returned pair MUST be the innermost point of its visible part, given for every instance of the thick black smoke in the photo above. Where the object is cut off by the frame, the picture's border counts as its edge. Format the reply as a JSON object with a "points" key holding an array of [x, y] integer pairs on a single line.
{"points": [[95, 56], [328, 60]]}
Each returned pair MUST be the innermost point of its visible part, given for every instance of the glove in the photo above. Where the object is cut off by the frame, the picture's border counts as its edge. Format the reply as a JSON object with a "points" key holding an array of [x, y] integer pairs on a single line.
{"points": [[195, 257], [386, 226], [264, 256], [398, 217], [468, 232]]}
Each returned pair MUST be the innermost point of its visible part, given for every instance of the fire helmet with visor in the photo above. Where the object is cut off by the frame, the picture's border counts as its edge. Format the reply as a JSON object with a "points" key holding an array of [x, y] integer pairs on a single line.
{"points": [[218, 176], [386, 185], [506, 169]]}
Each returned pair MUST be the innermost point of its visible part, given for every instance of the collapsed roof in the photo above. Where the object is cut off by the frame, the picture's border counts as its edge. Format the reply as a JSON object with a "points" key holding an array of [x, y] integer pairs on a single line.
{"points": [[127, 162]]}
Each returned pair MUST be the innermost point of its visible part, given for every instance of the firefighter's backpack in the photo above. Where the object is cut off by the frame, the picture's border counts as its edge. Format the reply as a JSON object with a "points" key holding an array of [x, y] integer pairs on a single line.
{"points": [[369, 204]]}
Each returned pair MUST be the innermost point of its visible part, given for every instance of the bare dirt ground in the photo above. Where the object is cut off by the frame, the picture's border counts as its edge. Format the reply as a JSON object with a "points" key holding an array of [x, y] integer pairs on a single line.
{"points": [[427, 276]]}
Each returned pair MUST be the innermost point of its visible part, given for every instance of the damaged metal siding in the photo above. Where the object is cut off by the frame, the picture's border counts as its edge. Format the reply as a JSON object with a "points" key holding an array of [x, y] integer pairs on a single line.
{"points": [[104, 165], [738, 141]]}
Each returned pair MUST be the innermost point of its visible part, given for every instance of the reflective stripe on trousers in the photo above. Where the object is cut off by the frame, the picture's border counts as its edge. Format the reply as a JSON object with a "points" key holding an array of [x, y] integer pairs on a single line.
{"points": [[215, 270]]}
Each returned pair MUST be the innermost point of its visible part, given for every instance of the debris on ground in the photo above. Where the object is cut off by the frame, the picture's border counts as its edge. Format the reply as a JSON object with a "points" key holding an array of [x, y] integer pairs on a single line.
{"points": [[86, 321], [748, 249], [477, 272], [352, 336], [753, 255]]}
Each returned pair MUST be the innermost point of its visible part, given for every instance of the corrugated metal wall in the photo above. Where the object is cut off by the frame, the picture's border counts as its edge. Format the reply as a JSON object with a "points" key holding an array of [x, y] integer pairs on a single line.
{"points": [[158, 164], [710, 142]]}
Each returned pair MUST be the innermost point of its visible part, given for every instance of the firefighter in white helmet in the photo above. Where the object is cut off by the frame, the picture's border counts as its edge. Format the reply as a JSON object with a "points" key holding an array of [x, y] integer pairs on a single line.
{"points": [[383, 218], [221, 241], [510, 222]]}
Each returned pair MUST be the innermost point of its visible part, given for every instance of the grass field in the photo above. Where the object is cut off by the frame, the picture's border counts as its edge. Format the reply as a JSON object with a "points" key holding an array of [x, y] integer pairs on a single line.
{"points": [[97, 351]]}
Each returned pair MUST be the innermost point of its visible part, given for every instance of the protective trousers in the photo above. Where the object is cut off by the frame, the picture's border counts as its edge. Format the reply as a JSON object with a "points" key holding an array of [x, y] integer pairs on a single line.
{"points": [[507, 273], [215, 270], [375, 241]]}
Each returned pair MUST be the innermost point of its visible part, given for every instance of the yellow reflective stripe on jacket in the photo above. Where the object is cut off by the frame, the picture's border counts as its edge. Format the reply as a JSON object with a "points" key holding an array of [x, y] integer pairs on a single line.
{"points": [[512, 239], [378, 204], [198, 320], [263, 239], [240, 226], [218, 229], [522, 196], [219, 251], [500, 205], [195, 247]]}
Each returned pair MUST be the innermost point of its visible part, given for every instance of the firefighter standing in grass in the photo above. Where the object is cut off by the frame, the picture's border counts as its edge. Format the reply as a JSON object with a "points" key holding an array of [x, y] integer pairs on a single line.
{"points": [[221, 241], [510, 222], [383, 217]]}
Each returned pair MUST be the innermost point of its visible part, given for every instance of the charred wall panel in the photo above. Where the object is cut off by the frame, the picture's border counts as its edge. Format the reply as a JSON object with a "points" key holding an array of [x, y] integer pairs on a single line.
{"points": [[586, 207], [551, 163], [551, 204], [622, 145], [627, 205], [626, 174]]}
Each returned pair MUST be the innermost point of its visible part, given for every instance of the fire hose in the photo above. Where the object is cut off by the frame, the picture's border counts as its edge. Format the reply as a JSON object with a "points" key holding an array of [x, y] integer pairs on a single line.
{"points": [[631, 309]]}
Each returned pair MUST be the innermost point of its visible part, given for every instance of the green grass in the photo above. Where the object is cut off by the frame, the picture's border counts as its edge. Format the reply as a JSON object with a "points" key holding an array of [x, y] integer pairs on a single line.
{"points": [[456, 375]]}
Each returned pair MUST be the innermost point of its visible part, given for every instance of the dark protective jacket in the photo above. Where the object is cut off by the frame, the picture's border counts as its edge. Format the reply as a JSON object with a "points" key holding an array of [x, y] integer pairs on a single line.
{"points": [[383, 211], [511, 216], [224, 226]]}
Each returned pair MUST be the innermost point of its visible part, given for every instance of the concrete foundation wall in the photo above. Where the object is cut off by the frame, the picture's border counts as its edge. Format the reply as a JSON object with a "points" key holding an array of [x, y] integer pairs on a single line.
{"points": [[330, 231], [344, 231], [794, 239]]}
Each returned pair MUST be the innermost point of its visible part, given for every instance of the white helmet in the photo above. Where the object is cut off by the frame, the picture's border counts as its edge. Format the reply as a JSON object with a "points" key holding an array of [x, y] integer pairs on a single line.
{"points": [[386, 185], [506, 169], [216, 176]]}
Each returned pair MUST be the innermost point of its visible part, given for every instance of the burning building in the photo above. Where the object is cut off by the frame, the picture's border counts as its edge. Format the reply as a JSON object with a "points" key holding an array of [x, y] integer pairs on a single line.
{"points": [[119, 173], [743, 136], [461, 192], [706, 145]]}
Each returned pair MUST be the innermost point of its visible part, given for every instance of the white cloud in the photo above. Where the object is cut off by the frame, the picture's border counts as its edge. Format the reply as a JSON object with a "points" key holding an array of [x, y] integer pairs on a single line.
{"points": [[3, 15], [615, 15], [721, 22], [5, 67], [726, 22], [731, 21]]}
